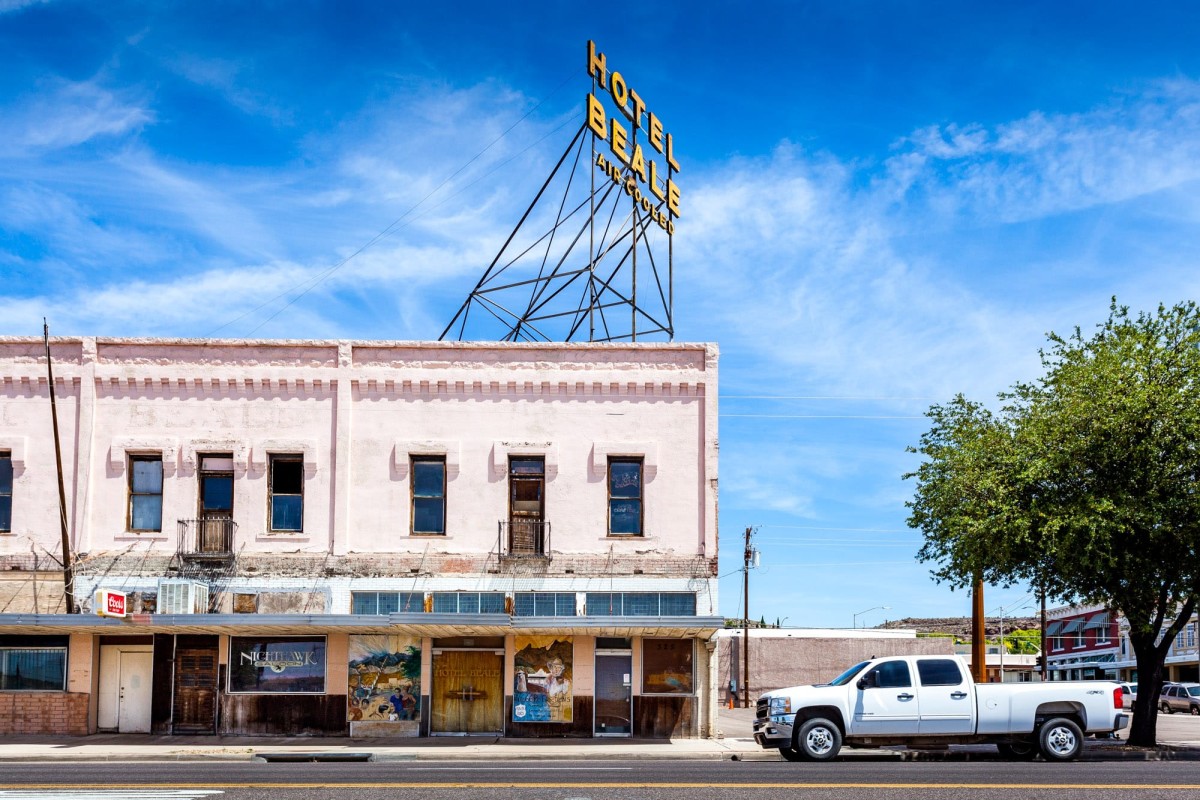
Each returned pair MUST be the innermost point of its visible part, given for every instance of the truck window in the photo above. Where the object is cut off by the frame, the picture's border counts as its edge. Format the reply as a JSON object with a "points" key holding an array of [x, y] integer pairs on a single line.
{"points": [[848, 675], [891, 675], [939, 672]]}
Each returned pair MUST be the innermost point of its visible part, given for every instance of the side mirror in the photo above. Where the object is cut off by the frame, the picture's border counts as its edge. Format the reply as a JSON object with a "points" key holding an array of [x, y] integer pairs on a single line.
{"points": [[862, 683], [868, 681]]}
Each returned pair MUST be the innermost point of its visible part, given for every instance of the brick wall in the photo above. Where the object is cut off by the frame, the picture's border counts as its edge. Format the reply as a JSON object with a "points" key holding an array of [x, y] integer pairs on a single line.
{"points": [[58, 713]]}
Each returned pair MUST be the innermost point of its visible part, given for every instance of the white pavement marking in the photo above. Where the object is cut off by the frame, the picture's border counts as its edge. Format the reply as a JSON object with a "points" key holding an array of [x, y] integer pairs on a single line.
{"points": [[106, 794]]}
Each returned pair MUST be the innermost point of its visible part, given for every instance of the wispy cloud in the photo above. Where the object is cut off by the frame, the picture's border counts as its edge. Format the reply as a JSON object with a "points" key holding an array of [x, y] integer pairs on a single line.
{"points": [[66, 113]]}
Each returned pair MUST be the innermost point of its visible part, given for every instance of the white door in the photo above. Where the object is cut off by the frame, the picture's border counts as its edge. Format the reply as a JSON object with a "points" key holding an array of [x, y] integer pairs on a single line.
{"points": [[947, 705], [133, 703], [888, 702]]}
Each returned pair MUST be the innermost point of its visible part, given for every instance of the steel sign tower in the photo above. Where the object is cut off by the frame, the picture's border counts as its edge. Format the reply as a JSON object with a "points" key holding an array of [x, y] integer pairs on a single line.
{"points": [[592, 257]]}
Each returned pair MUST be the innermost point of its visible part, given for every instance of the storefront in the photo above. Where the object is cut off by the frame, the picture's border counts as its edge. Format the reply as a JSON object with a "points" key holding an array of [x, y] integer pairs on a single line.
{"points": [[361, 676]]}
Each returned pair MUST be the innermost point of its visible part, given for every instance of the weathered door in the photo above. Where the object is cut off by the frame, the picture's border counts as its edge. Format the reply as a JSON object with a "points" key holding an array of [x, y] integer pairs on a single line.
{"points": [[614, 694], [136, 683], [195, 702], [468, 692]]}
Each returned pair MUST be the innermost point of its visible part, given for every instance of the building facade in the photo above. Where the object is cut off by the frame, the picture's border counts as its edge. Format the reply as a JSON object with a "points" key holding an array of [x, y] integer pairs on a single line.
{"points": [[1082, 643], [361, 538]]}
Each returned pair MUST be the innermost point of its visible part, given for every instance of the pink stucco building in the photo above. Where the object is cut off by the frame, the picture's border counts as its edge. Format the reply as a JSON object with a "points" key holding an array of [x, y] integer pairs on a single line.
{"points": [[364, 538]]}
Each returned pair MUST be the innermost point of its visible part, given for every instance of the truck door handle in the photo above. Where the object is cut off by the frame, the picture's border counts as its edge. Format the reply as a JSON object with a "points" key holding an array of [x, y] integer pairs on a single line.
{"points": [[958, 695], [904, 696]]}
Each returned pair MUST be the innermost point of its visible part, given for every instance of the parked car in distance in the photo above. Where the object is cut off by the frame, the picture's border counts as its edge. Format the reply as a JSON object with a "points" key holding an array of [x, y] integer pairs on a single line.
{"points": [[1128, 694], [1180, 697]]}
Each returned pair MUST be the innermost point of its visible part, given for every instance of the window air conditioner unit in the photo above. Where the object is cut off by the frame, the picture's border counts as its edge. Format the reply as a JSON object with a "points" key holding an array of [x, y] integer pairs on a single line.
{"points": [[182, 597]]}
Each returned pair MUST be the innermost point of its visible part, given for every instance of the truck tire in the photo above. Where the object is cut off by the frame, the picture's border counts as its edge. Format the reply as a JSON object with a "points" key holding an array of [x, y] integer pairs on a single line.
{"points": [[1060, 739], [790, 754], [1018, 751], [818, 739]]}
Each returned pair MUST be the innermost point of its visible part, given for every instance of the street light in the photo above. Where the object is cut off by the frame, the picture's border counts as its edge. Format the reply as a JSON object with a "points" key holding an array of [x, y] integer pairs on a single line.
{"points": [[876, 608]]}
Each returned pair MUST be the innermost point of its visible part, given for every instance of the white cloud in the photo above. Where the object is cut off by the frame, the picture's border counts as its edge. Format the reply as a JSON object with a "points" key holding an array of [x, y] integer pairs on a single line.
{"points": [[65, 114]]}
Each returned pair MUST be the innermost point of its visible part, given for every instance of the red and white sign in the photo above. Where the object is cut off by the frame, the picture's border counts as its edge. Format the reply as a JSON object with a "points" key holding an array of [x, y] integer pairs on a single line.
{"points": [[110, 603]]}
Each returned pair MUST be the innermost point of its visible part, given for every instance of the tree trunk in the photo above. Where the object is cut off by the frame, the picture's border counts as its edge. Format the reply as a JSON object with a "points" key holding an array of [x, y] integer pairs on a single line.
{"points": [[1143, 730]]}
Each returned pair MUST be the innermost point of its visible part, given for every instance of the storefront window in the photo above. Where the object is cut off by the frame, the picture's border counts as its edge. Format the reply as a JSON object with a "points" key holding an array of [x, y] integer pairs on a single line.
{"points": [[33, 663], [292, 665], [667, 666]]}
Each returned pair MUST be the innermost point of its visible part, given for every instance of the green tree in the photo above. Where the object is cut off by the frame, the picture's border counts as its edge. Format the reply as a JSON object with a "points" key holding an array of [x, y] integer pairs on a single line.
{"points": [[1083, 485], [1023, 642]]}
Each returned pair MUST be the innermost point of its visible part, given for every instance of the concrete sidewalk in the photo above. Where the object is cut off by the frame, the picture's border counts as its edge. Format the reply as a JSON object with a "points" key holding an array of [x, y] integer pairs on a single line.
{"points": [[735, 743]]}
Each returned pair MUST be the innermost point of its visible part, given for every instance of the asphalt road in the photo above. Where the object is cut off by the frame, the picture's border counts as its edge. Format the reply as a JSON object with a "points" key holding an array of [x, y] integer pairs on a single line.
{"points": [[529, 779]]}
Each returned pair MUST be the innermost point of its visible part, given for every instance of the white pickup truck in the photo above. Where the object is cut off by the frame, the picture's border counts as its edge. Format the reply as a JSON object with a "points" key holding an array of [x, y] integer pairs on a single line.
{"points": [[929, 701]]}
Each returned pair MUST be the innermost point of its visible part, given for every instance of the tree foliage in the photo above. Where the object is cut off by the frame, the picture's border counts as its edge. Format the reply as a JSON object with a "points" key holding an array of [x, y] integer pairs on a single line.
{"points": [[1083, 484]]}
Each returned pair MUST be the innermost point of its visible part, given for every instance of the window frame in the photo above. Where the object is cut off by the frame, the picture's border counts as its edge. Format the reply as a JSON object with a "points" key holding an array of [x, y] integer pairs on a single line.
{"points": [[647, 664], [640, 461], [434, 597], [283, 458], [412, 608], [935, 664], [20, 644], [413, 460], [6, 524], [557, 599], [132, 459]]}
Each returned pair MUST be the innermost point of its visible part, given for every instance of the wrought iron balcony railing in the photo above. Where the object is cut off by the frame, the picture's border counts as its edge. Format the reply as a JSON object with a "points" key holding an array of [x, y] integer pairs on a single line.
{"points": [[209, 536], [520, 538]]}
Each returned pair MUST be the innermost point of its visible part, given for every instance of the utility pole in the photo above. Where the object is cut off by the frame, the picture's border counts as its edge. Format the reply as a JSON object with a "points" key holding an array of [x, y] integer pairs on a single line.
{"points": [[67, 567], [1043, 636], [1002, 644], [748, 557], [978, 646]]}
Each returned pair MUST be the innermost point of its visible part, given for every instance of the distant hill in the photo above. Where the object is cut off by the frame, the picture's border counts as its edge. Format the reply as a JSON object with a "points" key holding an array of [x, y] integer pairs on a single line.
{"points": [[960, 627]]}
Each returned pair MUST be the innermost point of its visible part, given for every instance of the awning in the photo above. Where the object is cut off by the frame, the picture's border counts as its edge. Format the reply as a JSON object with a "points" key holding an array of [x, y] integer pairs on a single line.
{"points": [[1098, 621], [415, 624], [1073, 626], [1054, 628]]}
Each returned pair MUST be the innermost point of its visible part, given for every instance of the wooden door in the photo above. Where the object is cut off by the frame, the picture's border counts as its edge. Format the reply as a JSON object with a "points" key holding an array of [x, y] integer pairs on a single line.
{"points": [[195, 701], [468, 692]]}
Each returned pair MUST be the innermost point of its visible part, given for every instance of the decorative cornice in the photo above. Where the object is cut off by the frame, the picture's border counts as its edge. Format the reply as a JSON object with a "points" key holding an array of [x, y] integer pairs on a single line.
{"points": [[647, 451], [405, 448], [501, 451], [124, 446]]}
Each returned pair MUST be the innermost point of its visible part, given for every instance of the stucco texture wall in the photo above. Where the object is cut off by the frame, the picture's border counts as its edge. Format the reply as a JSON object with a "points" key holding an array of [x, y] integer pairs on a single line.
{"points": [[782, 661]]}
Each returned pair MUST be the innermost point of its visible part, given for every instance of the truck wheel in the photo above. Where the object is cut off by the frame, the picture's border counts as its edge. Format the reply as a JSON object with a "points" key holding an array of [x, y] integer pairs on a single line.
{"points": [[1060, 740], [790, 754], [1018, 751], [818, 740]]}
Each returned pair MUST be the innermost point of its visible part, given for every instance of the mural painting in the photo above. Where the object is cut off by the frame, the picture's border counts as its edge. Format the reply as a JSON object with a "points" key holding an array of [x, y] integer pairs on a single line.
{"points": [[385, 678], [542, 688]]}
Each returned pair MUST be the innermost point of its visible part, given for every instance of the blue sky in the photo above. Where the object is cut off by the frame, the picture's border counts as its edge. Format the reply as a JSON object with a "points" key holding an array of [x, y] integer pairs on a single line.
{"points": [[884, 203]]}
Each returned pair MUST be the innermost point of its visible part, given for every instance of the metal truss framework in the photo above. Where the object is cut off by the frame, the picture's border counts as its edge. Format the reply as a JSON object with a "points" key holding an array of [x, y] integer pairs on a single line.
{"points": [[591, 274]]}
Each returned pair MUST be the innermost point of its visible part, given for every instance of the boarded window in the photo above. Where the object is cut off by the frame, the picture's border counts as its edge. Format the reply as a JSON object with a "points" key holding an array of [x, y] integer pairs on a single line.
{"points": [[428, 495], [625, 496], [145, 493], [667, 666], [287, 493]]}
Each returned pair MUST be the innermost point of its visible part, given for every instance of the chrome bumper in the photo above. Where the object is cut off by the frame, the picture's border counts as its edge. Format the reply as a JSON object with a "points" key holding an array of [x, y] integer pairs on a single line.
{"points": [[774, 732]]}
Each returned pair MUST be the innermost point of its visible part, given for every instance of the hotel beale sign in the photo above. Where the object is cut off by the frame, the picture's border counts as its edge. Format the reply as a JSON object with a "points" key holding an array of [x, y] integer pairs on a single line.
{"points": [[649, 178]]}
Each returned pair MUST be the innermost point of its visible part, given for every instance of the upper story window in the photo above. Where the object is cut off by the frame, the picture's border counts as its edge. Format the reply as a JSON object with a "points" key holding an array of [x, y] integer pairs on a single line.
{"points": [[625, 496], [1056, 643], [527, 527], [145, 493], [468, 602], [287, 493], [641, 604], [428, 495], [6, 491], [33, 663], [387, 602], [1080, 638], [544, 604]]}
